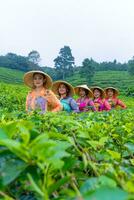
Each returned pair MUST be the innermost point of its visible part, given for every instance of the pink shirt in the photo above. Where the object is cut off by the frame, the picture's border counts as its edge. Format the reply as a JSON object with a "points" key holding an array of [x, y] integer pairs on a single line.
{"points": [[83, 104], [115, 102], [101, 104]]}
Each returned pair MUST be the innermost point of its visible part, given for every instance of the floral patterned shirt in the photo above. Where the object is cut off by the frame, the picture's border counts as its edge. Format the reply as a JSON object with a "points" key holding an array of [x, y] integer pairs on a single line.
{"points": [[44, 101]]}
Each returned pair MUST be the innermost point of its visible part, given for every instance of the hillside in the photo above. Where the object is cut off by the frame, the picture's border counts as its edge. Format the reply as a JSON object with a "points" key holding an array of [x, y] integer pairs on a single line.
{"points": [[10, 75], [119, 79]]}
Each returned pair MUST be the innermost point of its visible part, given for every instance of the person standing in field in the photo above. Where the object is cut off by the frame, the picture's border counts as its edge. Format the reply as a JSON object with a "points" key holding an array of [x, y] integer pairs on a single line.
{"points": [[65, 93], [40, 97], [84, 101], [111, 96], [99, 100]]}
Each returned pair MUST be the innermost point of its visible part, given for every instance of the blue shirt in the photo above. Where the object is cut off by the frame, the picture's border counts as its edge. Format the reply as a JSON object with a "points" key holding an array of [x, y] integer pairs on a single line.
{"points": [[69, 104]]}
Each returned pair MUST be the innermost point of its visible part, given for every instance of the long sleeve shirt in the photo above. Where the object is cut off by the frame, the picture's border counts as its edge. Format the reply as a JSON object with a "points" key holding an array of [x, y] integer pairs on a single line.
{"points": [[86, 104], [45, 101], [115, 102], [69, 105], [102, 104]]}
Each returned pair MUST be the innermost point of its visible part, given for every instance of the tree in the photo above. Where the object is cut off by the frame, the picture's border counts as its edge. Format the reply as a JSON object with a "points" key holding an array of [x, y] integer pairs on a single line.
{"points": [[87, 70], [14, 61], [131, 66], [34, 57], [113, 66], [64, 63]]}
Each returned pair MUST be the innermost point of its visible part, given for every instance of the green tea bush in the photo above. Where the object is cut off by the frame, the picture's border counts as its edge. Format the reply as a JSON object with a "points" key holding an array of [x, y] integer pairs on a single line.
{"points": [[61, 156], [64, 156]]}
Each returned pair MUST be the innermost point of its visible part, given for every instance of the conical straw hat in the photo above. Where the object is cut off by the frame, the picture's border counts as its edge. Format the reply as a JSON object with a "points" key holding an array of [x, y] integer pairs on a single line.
{"points": [[28, 79], [116, 92], [56, 85], [76, 89], [100, 89]]}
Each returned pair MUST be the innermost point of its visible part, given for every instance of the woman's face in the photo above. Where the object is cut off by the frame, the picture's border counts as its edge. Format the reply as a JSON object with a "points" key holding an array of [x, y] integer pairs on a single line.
{"points": [[38, 80], [110, 93], [82, 92], [62, 89], [97, 93]]}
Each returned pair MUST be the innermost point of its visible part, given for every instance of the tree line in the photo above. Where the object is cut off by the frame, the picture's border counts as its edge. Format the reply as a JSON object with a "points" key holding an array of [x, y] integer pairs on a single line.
{"points": [[22, 63], [64, 64]]}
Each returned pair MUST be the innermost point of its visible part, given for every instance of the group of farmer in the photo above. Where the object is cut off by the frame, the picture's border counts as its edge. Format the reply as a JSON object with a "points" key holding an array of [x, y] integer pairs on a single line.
{"points": [[46, 95]]}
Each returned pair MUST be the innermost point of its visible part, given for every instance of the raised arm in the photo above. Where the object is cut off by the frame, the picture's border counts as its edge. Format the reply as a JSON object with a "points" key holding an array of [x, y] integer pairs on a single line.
{"points": [[53, 101], [121, 104]]}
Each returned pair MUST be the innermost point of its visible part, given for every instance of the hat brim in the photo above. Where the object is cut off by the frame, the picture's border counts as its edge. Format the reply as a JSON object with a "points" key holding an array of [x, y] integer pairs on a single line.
{"points": [[103, 95], [90, 93], [56, 85], [116, 92], [28, 79]]}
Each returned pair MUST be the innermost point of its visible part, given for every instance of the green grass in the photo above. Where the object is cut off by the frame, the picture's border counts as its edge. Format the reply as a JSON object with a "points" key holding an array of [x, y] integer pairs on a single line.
{"points": [[10, 75]]}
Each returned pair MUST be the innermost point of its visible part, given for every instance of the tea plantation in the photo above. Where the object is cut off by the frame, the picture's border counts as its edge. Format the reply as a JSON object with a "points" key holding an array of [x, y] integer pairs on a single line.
{"points": [[64, 156]]}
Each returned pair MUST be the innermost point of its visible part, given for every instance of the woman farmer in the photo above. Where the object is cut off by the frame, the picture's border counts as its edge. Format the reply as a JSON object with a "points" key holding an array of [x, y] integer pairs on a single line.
{"points": [[40, 97], [111, 96], [99, 100], [84, 101], [65, 91]]}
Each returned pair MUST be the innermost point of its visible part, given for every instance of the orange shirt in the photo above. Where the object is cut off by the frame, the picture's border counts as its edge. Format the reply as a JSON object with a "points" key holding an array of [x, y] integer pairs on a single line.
{"points": [[46, 100]]}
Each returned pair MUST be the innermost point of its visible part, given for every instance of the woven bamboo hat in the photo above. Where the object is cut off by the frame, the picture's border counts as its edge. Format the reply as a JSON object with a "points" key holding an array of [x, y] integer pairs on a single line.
{"points": [[56, 85], [28, 79], [116, 92], [76, 89], [100, 89]]}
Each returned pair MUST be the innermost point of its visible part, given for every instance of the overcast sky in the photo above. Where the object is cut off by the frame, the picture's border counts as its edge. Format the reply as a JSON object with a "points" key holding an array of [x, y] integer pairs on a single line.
{"points": [[101, 29]]}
